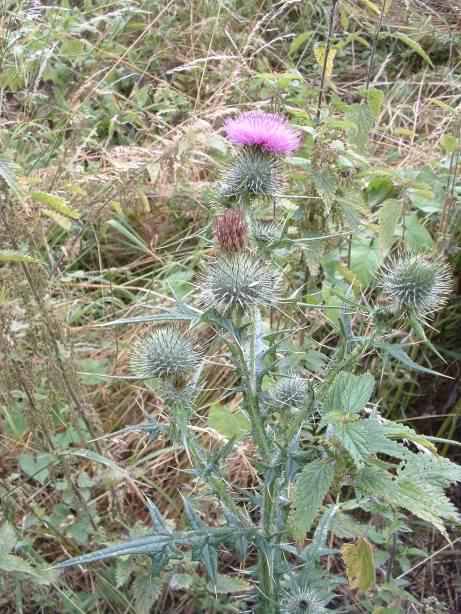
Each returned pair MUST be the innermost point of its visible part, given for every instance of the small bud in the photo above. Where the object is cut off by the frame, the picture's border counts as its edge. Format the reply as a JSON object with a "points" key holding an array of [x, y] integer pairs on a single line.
{"points": [[266, 232], [231, 230]]}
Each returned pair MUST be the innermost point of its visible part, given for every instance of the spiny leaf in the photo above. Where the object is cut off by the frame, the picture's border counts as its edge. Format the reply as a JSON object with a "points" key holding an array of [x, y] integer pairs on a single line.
{"points": [[312, 485], [360, 565]]}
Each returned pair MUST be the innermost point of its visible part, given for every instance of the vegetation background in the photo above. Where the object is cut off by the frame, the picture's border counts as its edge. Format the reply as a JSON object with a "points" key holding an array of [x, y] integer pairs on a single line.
{"points": [[110, 134]]}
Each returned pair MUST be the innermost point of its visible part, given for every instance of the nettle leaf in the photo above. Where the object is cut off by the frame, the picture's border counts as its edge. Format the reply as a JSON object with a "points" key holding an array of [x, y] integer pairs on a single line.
{"points": [[417, 237], [146, 590], [363, 438], [311, 487], [375, 99], [56, 204], [364, 260], [350, 393], [8, 537], [360, 564], [418, 488], [363, 121], [228, 423], [379, 189], [389, 216], [229, 584]]}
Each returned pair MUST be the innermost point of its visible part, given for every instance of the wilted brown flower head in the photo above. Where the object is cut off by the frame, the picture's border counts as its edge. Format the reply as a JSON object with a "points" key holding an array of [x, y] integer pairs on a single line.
{"points": [[231, 230]]}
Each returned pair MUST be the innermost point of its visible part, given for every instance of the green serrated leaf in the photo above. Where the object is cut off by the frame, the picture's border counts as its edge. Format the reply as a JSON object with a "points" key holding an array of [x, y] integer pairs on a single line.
{"points": [[299, 41], [389, 215], [230, 424], [417, 237], [229, 584], [146, 590], [363, 121], [57, 204], [375, 99], [8, 537], [312, 485], [350, 393], [36, 466], [10, 255], [449, 143]]}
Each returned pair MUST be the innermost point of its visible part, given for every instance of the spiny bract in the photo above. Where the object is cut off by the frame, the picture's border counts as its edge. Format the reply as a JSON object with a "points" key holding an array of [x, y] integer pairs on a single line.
{"points": [[290, 392], [239, 280], [303, 601], [416, 284], [266, 232], [166, 352], [252, 173]]}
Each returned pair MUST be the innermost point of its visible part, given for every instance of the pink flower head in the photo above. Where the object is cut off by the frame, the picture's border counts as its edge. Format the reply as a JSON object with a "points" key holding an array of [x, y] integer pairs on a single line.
{"points": [[269, 131]]}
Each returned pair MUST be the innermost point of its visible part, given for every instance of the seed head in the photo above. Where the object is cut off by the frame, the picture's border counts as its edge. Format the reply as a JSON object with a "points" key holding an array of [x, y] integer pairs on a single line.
{"points": [[239, 281], [267, 131], [166, 352], [415, 284], [231, 230], [252, 173]]}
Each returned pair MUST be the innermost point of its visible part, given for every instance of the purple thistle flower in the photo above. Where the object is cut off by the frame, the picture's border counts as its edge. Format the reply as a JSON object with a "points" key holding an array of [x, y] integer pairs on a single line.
{"points": [[269, 131]]}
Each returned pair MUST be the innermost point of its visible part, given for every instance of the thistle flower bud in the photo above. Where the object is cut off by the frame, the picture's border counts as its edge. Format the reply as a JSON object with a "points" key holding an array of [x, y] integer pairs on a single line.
{"points": [[231, 230], [303, 601], [252, 173], [239, 281], [293, 392], [266, 232], [167, 352], [416, 285]]}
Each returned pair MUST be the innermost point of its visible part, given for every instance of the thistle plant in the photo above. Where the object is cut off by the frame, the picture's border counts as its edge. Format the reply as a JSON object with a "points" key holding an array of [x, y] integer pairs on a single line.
{"points": [[328, 452]]}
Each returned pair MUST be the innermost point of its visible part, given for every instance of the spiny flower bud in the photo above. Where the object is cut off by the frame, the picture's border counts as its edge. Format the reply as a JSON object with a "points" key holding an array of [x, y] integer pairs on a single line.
{"points": [[266, 232], [239, 280], [231, 230], [303, 601], [252, 173], [290, 392], [416, 285], [166, 352]]}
